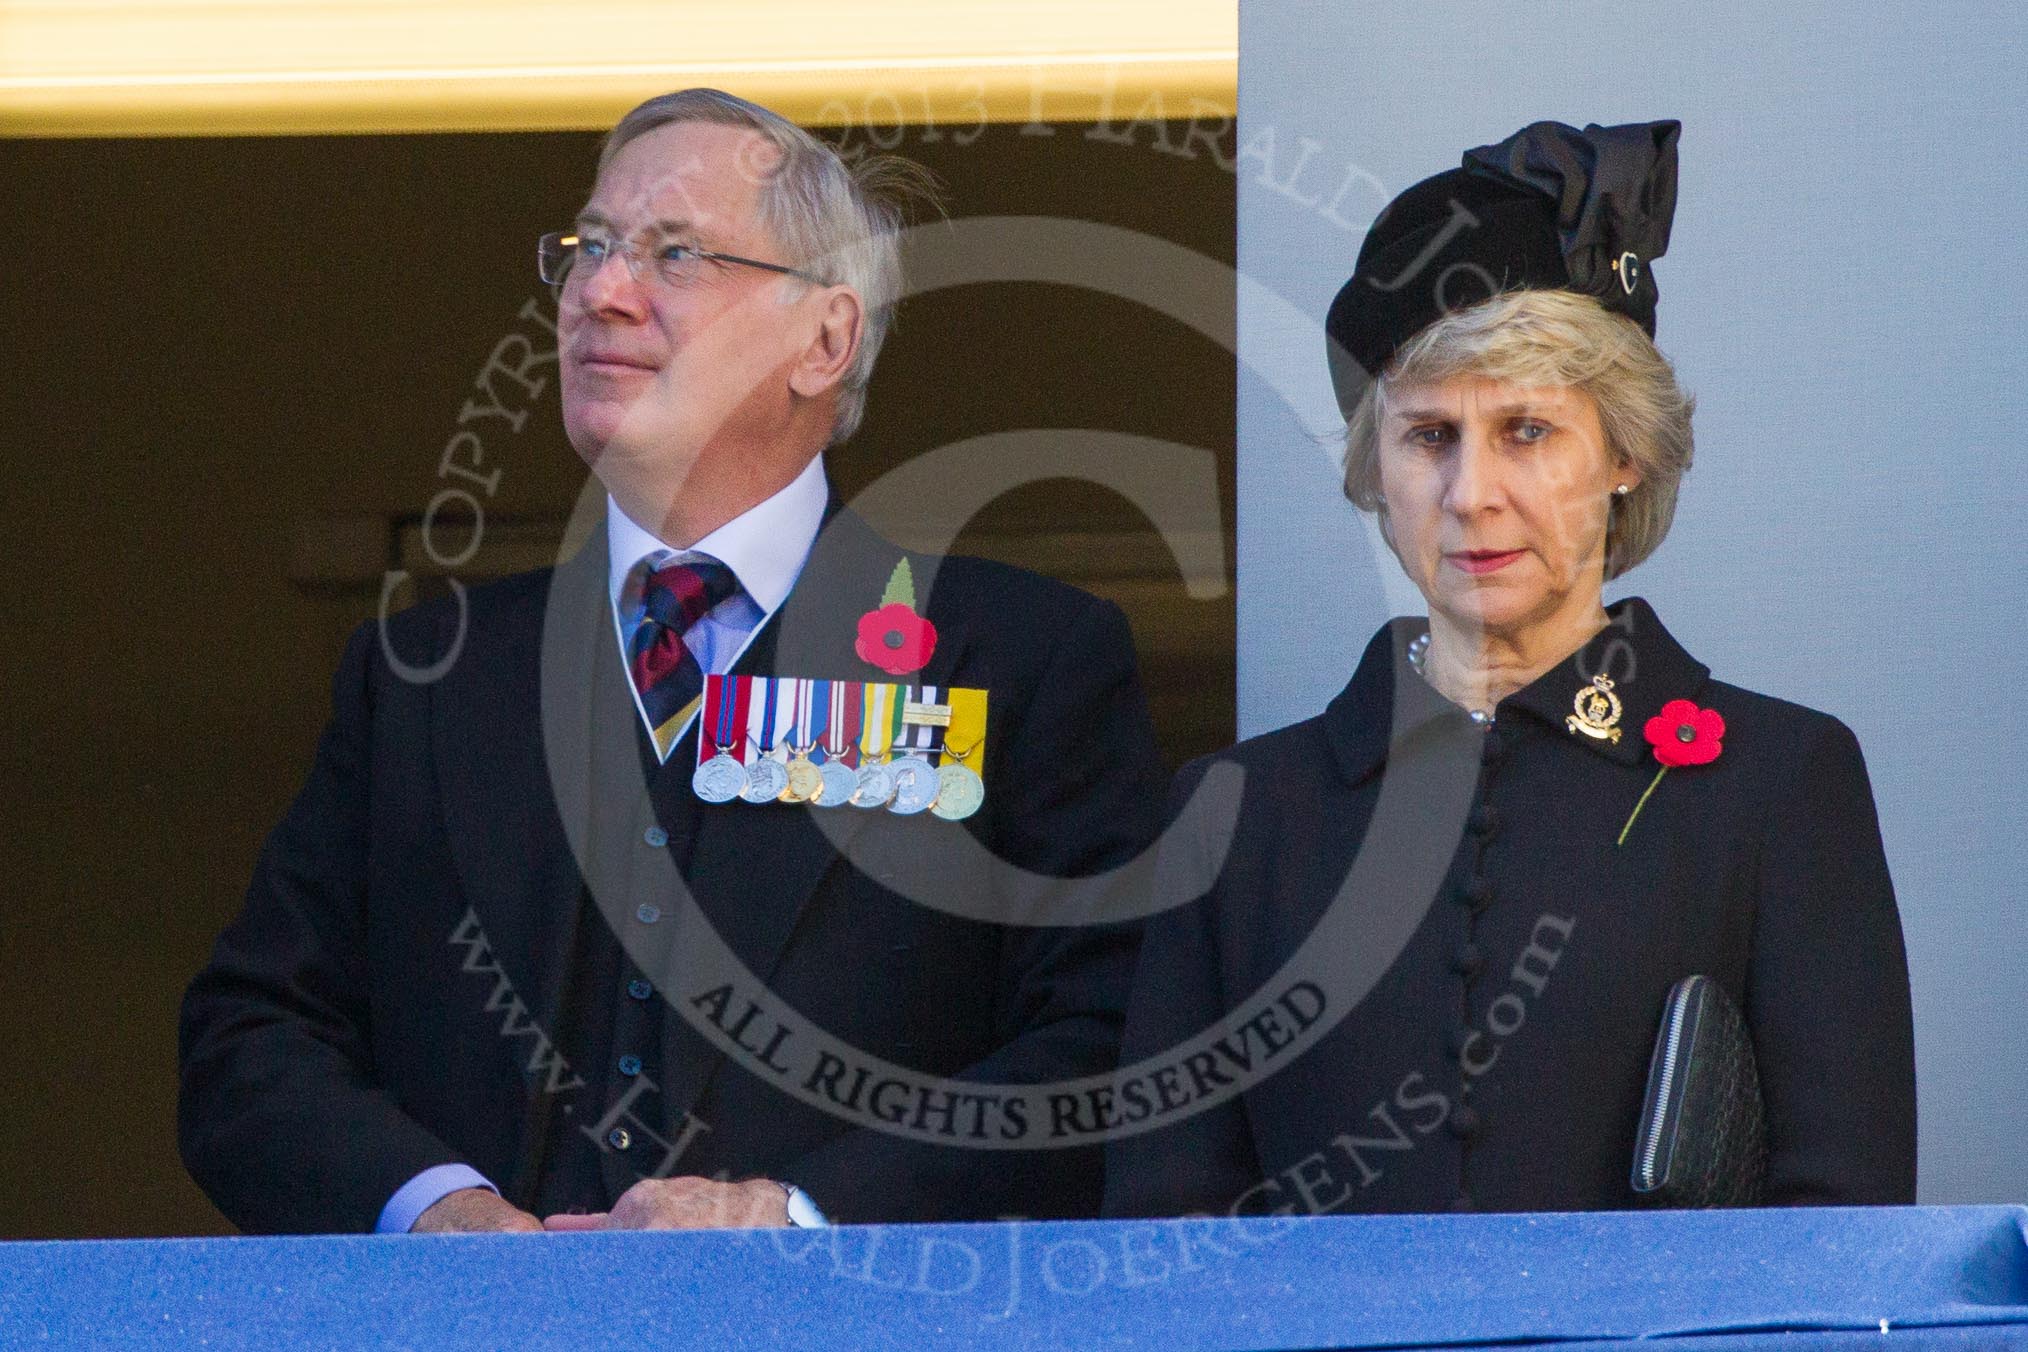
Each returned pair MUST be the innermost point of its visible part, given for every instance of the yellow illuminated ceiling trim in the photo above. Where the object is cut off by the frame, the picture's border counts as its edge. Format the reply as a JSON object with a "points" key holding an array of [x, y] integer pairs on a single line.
{"points": [[166, 67]]}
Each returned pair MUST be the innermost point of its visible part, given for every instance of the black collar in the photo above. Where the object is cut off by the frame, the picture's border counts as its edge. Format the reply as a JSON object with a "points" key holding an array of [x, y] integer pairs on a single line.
{"points": [[1646, 665]]}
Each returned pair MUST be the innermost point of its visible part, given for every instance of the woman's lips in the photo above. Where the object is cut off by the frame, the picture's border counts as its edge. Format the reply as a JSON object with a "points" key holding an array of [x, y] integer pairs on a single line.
{"points": [[1478, 561]]}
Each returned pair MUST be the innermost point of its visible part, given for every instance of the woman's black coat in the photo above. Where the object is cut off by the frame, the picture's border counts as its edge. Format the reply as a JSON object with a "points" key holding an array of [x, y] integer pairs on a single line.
{"points": [[1470, 1024]]}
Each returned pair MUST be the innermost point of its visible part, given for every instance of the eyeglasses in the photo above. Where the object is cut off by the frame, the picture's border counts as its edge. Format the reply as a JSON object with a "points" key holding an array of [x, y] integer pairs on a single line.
{"points": [[560, 255]]}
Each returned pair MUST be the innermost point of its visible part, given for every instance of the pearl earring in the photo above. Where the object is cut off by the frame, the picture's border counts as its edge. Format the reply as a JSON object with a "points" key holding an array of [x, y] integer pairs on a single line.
{"points": [[1623, 490]]}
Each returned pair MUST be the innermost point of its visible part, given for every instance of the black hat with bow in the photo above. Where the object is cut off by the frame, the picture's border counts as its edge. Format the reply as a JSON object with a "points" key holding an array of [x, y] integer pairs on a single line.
{"points": [[1550, 207]]}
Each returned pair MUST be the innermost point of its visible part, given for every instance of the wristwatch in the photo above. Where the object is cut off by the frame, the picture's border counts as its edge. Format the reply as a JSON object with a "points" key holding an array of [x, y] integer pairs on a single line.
{"points": [[803, 1212]]}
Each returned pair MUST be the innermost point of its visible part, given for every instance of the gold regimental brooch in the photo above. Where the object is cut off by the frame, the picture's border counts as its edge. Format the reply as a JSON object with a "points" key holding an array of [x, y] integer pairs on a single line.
{"points": [[1598, 711]]}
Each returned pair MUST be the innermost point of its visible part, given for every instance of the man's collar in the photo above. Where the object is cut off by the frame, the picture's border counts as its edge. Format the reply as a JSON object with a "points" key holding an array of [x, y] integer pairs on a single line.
{"points": [[1642, 660], [765, 546]]}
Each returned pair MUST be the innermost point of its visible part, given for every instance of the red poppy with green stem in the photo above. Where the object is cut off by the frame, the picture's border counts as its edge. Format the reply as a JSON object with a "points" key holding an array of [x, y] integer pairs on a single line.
{"points": [[1682, 734], [892, 636]]}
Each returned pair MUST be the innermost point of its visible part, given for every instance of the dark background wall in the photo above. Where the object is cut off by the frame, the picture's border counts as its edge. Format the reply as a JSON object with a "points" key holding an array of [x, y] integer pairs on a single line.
{"points": [[231, 367]]}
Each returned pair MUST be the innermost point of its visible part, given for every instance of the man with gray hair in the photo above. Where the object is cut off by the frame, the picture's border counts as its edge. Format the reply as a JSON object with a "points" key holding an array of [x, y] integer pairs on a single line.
{"points": [[661, 902]]}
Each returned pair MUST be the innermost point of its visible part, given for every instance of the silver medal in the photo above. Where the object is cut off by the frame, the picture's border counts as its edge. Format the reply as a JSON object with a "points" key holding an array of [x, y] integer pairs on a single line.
{"points": [[719, 780], [875, 785], [765, 780], [915, 786], [959, 791], [840, 782]]}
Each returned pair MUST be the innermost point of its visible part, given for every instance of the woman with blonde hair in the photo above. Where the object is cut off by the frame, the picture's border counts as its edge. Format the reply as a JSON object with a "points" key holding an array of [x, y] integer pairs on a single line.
{"points": [[1628, 930]]}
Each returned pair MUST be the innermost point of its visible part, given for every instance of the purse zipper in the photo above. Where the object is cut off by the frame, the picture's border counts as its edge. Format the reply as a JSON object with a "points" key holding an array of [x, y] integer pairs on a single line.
{"points": [[1652, 1147]]}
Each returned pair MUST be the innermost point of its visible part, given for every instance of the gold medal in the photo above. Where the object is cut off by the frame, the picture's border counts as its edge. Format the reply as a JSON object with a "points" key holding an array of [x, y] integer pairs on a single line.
{"points": [[1598, 711], [806, 781], [801, 780]]}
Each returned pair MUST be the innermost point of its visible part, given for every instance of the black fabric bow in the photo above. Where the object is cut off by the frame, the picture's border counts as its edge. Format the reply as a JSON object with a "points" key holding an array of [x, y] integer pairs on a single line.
{"points": [[1614, 189], [1550, 207]]}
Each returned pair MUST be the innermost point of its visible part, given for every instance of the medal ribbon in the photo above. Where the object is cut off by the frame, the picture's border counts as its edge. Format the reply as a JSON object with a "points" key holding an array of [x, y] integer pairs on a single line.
{"points": [[882, 716], [834, 718], [765, 715], [924, 739], [841, 738], [785, 712], [725, 715], [811, 696], [965, 738]]}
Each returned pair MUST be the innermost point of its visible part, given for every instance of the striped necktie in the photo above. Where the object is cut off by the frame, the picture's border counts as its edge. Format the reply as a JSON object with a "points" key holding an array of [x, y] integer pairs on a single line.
{"points": [[665, 671]]}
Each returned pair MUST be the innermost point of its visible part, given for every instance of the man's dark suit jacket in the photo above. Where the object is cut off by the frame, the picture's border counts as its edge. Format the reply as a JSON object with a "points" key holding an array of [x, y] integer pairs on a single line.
{"points": [[421, 960]]}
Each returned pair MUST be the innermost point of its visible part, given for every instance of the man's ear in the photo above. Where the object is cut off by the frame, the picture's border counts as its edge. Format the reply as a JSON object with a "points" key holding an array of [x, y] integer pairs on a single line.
{"points": [[841, 319]]}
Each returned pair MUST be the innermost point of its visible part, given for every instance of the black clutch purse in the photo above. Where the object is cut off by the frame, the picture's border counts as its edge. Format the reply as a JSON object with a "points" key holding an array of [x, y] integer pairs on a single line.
{"points": [[1702, 1140]]}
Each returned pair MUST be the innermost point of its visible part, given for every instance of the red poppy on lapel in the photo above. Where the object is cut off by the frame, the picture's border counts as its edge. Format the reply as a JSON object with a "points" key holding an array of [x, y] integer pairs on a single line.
{"points": [[896, 639], [892, 636], [1683, 734]]}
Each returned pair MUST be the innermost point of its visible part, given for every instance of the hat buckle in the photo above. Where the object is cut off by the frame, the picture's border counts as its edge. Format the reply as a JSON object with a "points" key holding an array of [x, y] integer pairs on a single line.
{"points": [[1628, 266]]}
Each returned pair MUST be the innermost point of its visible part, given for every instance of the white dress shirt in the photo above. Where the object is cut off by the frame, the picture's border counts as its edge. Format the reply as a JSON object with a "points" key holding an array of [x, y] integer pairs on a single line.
{"points": [[765, 547]]}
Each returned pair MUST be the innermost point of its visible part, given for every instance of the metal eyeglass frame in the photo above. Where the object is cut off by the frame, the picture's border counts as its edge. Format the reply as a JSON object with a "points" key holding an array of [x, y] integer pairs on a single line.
{"points": [[634, 254]]}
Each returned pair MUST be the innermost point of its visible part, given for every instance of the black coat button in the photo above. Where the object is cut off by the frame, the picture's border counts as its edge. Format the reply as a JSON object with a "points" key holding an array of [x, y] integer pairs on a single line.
{"points": [[1485, 821], [1467, 961], [1475, 893], [1464, 1123], [630, 1064], [640, 988]]}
